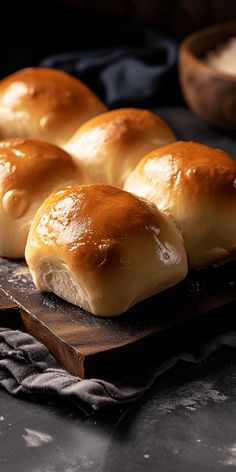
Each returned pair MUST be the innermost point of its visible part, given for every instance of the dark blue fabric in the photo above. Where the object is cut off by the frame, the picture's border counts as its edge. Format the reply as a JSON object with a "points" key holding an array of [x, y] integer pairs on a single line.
{"points": [[125, 75]]}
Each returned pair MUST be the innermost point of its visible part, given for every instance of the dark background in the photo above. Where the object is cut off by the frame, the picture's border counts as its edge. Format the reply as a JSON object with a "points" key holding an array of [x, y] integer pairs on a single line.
{"points": [[196, 432], [32, 30]]}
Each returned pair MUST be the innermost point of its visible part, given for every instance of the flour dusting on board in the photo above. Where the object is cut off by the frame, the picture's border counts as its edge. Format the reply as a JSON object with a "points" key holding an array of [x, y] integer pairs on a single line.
{"points": [[36, 438], [191, 397], [22, 278], [22, 271]]}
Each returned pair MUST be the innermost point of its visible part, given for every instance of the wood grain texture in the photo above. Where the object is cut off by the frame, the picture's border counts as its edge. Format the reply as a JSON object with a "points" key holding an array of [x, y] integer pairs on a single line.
{"points": [[90, 346], [6, 303]]}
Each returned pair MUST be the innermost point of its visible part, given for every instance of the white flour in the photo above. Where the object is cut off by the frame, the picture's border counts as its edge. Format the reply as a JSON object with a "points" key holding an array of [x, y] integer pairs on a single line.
{"points": [[192, 396], [69, 465], [231, 455], [22, 279], [36, 438], [223, 57]]}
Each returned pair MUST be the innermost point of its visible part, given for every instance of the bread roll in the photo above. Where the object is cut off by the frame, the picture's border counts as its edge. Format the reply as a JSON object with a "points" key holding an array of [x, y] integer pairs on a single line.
{"points": [[109, 146], [103, 249], [29, 171], [196, 186], [46, 104]]}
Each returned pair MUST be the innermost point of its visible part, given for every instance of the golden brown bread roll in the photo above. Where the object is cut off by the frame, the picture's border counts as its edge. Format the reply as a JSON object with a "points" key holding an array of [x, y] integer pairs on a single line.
{"points": [[29, 171], [109, 146], [196, 186], [45, 104], [103, 249]]}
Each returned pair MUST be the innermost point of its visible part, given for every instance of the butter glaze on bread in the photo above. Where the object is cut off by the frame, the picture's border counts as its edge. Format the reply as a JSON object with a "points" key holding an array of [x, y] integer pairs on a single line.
{"points": [[103, 249], [196, 186], [109, 146], [29, 171], [46, 104]]}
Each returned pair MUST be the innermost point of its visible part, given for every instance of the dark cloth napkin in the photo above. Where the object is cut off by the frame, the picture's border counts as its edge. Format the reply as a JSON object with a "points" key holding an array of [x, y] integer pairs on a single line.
{"points": [[141, 71], [27, 367]]}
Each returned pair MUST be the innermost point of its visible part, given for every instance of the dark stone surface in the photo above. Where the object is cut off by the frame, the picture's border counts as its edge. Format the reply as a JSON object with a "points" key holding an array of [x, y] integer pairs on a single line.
{"points": [[186, 423]]}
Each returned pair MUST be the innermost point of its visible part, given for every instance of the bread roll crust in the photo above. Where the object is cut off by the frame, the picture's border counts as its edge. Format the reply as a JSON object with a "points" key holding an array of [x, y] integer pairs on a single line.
{"points": [[196, 186], [28, 165], [110, 145], [93, 226], [103, 249], [45, 104], [29, 171]]}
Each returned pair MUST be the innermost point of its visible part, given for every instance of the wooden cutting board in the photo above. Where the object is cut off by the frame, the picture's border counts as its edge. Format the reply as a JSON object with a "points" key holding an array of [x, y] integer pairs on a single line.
{"points": [[91, 346]]}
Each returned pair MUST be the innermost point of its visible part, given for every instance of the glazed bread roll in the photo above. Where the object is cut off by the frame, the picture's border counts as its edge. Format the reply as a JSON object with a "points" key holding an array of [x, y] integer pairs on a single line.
{"points": [[109, 146], [103, 249], [196, 186], [45, 104], [29, 171]]}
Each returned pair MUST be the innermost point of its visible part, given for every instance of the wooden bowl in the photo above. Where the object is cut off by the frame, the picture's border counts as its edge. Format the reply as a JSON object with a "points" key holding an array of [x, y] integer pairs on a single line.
{"points": [[209, 92]]}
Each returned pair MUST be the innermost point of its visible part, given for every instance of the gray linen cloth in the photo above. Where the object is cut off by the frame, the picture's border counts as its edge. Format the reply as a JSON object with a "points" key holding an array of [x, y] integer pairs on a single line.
{"points": [[27, 367]]}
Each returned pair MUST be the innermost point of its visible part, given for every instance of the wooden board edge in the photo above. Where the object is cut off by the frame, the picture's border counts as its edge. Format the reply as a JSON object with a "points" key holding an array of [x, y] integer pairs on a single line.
{"points": [[9, 312], [67, 357]]}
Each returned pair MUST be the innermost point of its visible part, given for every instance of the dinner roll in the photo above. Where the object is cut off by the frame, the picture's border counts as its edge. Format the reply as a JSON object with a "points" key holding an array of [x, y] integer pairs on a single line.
{"points": [[46, 104], [109, 146], [103, 249], [29, 171], [196, 186]]}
